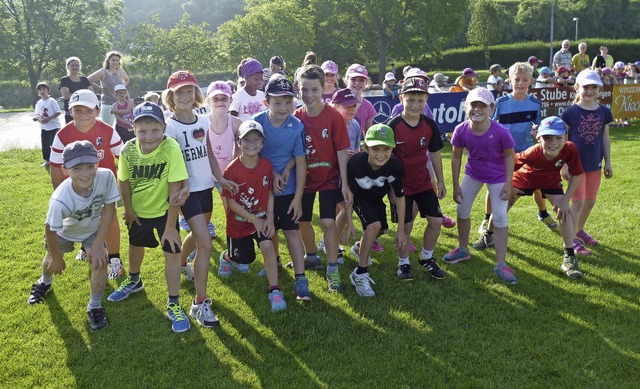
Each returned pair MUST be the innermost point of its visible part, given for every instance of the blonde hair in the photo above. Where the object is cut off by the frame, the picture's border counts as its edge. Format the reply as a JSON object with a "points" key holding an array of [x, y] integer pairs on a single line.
{"points": [[520, 67], [151, 95], [577, 98], [167, 99]]}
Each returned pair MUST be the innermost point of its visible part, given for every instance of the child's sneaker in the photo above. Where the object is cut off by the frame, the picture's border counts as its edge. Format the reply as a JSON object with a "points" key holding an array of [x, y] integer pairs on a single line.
{"points": [[126, 288], [484, 227], [548, 221], [321, 245], [586, 238], [404, 273], [579, 249], [571, 267], [203, 314], [82, 255], [456, 255], [355, 250], [115, 268], [277, 301], [301, 289], [433, 268], [362, 282], [505, 273], [179, 321], [448, 222], [225, 269], [340, 255], [212, 230], [191, 256], [38, 291], [484, 242], [377, 247], [187, 272], [334, 282], [412, 248], [312, 263], [97, 319], [183, 224]]}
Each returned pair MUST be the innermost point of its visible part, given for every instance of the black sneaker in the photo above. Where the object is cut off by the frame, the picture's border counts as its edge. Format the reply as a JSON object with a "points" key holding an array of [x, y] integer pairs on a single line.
{"points": [[97, 319], [404, 273], [433, 268], [484, 242], [38, 291]]}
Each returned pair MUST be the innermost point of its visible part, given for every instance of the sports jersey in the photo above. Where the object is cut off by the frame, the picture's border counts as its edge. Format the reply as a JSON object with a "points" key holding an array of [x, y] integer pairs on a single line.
{"points": [[150, 175], [253, 194], [518, 117], [325, 135], [47, 108], [246, 105], [105, 139], [365, 112], [281, 144], [75, 218], [192, 138], [534, 171], [412, 144], [485, 153], [586, 130], [366, 183], [223, 145]]}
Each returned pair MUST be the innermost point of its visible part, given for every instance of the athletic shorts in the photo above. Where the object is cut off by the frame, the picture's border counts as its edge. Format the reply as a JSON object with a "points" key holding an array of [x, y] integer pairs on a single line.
{"points": [[242, 250], [371, 211], [198, 203], [282, 219], [67, 246], [427, 202], [529, 192], [328, 201], [143, 235]]}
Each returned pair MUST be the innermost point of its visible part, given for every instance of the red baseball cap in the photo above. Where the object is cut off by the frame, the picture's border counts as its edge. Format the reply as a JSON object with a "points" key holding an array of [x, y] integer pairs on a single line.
{"points": [[180, 79], [533, 59]]}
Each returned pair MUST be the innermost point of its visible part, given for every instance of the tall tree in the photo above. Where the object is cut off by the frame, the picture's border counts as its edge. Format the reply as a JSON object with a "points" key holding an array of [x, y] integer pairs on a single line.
{"points": [[37, 35], [484, 27]]}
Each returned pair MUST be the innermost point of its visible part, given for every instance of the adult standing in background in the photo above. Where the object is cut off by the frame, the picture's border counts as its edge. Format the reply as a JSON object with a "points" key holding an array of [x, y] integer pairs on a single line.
{"points": [[563, 56], [604, 60], [581, 60], [72, 82], [106, 79]]}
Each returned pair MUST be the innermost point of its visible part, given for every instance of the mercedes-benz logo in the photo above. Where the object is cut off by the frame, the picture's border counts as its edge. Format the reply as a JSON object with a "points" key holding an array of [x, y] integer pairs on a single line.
{"points": [[383, 110]]}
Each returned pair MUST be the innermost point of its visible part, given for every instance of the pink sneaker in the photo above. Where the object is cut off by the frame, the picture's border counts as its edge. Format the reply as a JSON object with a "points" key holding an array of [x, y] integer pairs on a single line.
{"points": [[412, 248], [448, 222], [377, 247], [579, 248], [586, 238]]}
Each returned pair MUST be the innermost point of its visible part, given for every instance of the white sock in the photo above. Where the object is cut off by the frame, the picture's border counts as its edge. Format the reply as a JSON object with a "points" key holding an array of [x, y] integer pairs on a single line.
{"points": [[426, 254], [403, 261]]}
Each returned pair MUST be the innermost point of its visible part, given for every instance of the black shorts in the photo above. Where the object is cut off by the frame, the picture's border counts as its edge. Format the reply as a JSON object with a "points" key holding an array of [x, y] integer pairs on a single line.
{"points": [[281, 218], [143, 235], [125, 133], [371, 211], [328, 201], [554, 191], [242, 250], [198, 203], [427, 202]]}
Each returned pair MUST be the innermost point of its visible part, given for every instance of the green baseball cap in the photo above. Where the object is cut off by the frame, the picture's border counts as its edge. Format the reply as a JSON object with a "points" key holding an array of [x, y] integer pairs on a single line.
{"points": [[379, 134]]}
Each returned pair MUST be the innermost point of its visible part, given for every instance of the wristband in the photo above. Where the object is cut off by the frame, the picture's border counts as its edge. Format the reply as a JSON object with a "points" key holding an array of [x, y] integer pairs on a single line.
{"points": [[251, 218]]}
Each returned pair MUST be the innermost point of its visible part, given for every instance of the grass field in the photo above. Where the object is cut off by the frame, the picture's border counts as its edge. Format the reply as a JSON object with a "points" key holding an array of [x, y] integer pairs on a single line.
{"points": [[468, 330]]}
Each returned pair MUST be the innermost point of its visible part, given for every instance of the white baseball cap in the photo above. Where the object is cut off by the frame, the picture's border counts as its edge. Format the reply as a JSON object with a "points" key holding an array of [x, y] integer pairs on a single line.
{"points": [[248, 126], [588, 77], [84, 97]]}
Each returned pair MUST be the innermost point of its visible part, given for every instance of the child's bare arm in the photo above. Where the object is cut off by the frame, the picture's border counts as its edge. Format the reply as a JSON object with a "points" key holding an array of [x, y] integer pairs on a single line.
{"points": [[171, 235], [436, 162], [56, 176], [129, 215], [97, 254], [301, 177], [606, 150], [456, 163], [342, 163], [401, 239], [509, 159]]}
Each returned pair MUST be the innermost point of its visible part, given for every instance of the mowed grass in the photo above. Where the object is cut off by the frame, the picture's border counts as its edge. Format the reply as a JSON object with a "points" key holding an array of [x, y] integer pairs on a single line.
{"points": [[468, 330]]}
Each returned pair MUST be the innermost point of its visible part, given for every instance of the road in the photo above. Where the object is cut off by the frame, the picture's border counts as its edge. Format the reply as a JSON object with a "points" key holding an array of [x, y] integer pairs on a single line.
{"points": [[18, 131]]}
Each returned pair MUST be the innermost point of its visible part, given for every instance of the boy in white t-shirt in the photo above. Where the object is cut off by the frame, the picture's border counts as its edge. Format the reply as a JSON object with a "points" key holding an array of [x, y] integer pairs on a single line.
{"points": [[494, 82], [46, 113]]}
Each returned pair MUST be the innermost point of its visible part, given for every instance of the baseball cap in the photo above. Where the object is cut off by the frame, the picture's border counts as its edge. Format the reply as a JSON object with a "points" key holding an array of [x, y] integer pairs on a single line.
{"points": [[357, 70], [148, 109], [439, 77], [469, 72], [607, 71], [379, 135], [562, 69], [329, 67], [180, 79], [588, 77], [533, 59], [414, 84], [78, 152], [545, 70], [344, 97], [618, 65], [219, 88], [251, 66], [551, 125], [248, 126], [279, 87], [119, 87], [482, 95], [389, 76], [84, 97], [417, 72], [495, 68]]}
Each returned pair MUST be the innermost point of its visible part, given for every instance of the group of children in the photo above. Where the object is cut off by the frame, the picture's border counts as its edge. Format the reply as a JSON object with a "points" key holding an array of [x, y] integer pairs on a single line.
{"points": [[270, 167]]}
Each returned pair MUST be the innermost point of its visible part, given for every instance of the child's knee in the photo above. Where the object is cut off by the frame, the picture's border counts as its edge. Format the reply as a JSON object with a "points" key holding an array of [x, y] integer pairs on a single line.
{"points": [[328, 224], [500, 219], [373, 228]]}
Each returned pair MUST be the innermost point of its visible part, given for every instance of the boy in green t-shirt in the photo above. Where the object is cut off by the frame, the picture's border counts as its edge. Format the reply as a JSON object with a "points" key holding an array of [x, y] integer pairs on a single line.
{"points": [[152, 170]]}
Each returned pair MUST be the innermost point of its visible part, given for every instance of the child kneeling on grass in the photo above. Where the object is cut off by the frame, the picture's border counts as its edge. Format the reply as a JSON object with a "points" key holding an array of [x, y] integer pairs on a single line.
{"points": [[371, 176], [250, 210], [80, 210]]}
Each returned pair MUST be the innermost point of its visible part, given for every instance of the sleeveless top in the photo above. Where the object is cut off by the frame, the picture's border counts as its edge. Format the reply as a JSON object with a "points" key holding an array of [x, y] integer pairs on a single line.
{"points": [[128, 116], [109, 83], [223, 145]]}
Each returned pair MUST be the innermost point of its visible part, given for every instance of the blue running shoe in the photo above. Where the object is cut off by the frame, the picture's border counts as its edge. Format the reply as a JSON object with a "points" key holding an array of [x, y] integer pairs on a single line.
{"points": [[212, 230], [505, 273], [179, 321], [277, 301], [301, 289], [183, 224], [126, 288]]}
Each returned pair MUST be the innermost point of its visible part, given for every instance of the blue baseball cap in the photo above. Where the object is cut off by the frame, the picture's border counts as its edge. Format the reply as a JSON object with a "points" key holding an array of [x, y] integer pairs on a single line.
{"points": [[545, 70], [148, 109], [552, 125]]}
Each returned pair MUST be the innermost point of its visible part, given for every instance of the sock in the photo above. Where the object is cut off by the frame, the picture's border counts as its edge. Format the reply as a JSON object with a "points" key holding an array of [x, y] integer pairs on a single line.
{"points": [[487, 216], [362, 269], [569, 251], [301, 275], [135, 277], [46, 279], [94, 301], [273, 287], [427, 254], [332, 268], [543, 213], [174, 299], [403, 261], [314, 254], [114, 255]]}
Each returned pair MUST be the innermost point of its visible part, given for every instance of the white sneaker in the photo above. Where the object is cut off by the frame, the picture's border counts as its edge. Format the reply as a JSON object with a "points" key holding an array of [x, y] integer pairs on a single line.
{"points": [[203, 313], [321, 246], [187, 272], [115, 268], [362, 282], [355, 250], [82, 255]]}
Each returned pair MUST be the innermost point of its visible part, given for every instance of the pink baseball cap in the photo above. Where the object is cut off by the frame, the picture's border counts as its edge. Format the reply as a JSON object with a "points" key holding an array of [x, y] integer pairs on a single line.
{"points": [[607, 71], [219, 88], [181, 78], [482, 95], [329, 67], [357, 70]]}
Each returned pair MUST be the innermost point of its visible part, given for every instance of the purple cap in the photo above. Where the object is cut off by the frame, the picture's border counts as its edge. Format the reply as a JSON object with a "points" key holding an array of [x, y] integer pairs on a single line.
{"points": [[148, 109], [279, 86], [469, 72], [344, 97], [357, 70], [219, 88], [329, 67], [414, 84], [250, 67], [606, 71]]}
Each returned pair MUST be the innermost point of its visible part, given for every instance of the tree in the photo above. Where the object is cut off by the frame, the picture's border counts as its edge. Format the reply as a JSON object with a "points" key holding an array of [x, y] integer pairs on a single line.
{"points": [[37, 35], [484, 27]]}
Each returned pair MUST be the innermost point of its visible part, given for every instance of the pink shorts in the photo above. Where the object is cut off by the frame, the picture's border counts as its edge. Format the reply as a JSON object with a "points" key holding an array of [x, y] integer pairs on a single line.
{"points": [[588, 187]]}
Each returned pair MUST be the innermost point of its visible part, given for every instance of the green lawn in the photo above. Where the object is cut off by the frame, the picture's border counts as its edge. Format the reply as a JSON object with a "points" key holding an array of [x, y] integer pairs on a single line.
{"points": [[468, 330]]}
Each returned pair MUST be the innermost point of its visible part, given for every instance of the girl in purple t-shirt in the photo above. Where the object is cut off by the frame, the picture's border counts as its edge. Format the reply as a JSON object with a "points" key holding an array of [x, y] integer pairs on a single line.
{"points": [[357, 79], [490, 161]]}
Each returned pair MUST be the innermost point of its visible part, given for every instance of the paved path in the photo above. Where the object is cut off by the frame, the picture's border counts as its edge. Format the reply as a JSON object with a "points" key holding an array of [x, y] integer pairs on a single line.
{"points": [[18, 131]]}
